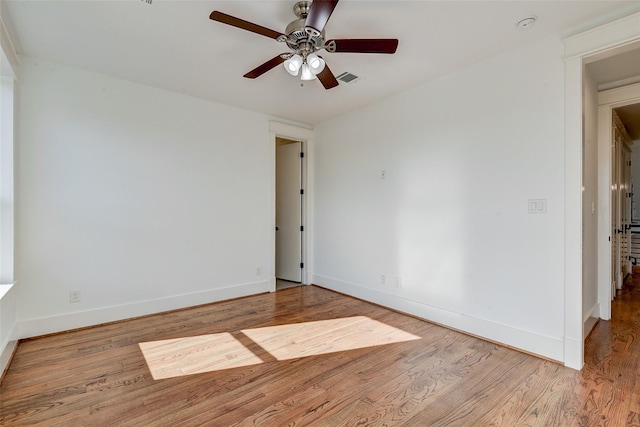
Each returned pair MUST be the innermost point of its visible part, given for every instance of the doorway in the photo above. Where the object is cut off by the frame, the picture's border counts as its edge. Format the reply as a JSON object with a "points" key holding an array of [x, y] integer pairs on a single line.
{"points": [[609, 40], [620, 203], [289, 229], [614, 170]]}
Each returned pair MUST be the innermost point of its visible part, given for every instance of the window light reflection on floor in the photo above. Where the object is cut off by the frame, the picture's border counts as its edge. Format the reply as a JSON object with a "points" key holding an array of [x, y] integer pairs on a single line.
{"points": [[194, 355], [206, 353], [325, 336]]}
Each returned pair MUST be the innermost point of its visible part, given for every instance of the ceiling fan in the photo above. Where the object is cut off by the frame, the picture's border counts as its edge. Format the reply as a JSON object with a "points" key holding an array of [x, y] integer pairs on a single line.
{"points": [[304, 37]]}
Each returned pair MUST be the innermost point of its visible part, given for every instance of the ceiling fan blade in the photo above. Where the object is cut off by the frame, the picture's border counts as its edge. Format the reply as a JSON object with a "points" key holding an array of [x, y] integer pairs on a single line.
{"points": [[327, 78], [319, 15], [362, 45], [261, 69], [242, 24]]}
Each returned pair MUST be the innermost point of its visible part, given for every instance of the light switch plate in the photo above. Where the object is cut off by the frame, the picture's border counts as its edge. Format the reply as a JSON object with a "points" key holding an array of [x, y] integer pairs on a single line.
{"points": [[537, 206]]}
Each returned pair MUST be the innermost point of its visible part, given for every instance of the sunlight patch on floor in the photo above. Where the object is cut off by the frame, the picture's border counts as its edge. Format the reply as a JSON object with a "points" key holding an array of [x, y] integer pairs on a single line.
{"points": [[325, 336], [206, 353], [194, 355]]}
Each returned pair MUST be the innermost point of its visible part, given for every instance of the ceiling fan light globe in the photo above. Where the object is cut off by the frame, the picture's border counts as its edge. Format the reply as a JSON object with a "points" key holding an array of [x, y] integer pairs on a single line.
{"points": [[291, 69], [316, 64], [307, 74], [293, 64]]}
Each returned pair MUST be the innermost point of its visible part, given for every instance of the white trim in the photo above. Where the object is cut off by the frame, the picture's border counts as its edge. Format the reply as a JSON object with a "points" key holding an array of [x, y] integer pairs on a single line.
{"points": [[573, 325], [6, 180], [605, 37], [607, 101], [619, 83], [5, 355], [604, 211], [4, 289], [278, 129], [80, 319], [7, 299], [590, 45], [548, 347], [9, 61], [593, 312], [289, 131], [8, 327], [620, 96]]}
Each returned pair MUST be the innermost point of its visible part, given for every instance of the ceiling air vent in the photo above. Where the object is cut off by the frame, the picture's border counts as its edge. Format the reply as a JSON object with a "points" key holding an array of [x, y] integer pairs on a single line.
{"points": [[347, 77]]}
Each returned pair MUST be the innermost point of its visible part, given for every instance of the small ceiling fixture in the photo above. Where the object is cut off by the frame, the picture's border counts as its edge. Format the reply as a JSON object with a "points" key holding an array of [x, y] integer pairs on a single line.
{"points": [[526, 23]]}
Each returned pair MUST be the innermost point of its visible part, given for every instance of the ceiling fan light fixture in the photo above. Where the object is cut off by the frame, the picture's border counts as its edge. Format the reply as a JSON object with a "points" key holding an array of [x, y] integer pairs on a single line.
{"points": [[316, 64], [293, 64], [307, 74]]}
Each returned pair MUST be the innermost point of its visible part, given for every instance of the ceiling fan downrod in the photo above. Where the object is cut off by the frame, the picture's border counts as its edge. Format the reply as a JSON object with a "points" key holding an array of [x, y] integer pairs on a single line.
{"points": [[299, 37]]}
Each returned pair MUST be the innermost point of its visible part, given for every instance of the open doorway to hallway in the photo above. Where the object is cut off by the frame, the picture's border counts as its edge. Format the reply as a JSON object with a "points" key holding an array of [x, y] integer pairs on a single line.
{"points": [[289, 213], [628, 119], [610, 113]]}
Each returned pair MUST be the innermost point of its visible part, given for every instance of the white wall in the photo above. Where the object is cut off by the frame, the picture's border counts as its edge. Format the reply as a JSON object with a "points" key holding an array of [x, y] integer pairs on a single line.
{"points": [[590, 307], [462, 156], [142, 199]]}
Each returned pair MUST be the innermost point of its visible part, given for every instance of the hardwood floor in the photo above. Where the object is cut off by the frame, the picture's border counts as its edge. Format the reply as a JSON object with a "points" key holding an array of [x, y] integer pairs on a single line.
{"points": [[99, 377]]}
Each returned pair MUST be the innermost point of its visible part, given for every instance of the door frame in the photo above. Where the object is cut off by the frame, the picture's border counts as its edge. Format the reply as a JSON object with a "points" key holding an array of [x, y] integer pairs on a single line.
{"points": [[306, 136], [607, 101], [606, 40], [288, 266]]}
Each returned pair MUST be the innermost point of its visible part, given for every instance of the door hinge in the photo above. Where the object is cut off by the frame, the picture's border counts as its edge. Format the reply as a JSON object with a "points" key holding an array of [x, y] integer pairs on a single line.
{"points": [[302, 154], [302, 265], [302, 228], [302, 191]]}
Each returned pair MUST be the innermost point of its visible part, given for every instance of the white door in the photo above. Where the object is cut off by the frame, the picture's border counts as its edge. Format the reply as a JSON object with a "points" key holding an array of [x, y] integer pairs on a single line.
{"points": [[289, 212], [615, 216], [626, 211]]}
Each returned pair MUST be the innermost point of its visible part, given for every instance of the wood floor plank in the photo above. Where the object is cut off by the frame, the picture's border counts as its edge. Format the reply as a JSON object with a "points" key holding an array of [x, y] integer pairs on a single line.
{"points": [[99, 376]]}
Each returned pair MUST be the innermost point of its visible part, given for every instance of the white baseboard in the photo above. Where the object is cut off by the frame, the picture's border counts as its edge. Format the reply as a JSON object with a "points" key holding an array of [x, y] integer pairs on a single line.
{"points": [[5, 355], [8, 328], [593, 312], [573, 354], [547, 347], [68, 321], [604, 309]]}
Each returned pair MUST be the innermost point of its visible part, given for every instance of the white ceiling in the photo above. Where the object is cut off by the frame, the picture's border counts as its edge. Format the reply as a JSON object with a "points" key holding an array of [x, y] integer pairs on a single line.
{"points": [[618, 70], [174, 45]]}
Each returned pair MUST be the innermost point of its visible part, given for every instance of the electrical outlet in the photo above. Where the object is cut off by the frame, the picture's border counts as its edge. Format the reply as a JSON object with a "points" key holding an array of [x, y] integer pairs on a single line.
{"points": [[397, 284], [258, 271], [74, 296], [383, 174], [383, 279]]}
